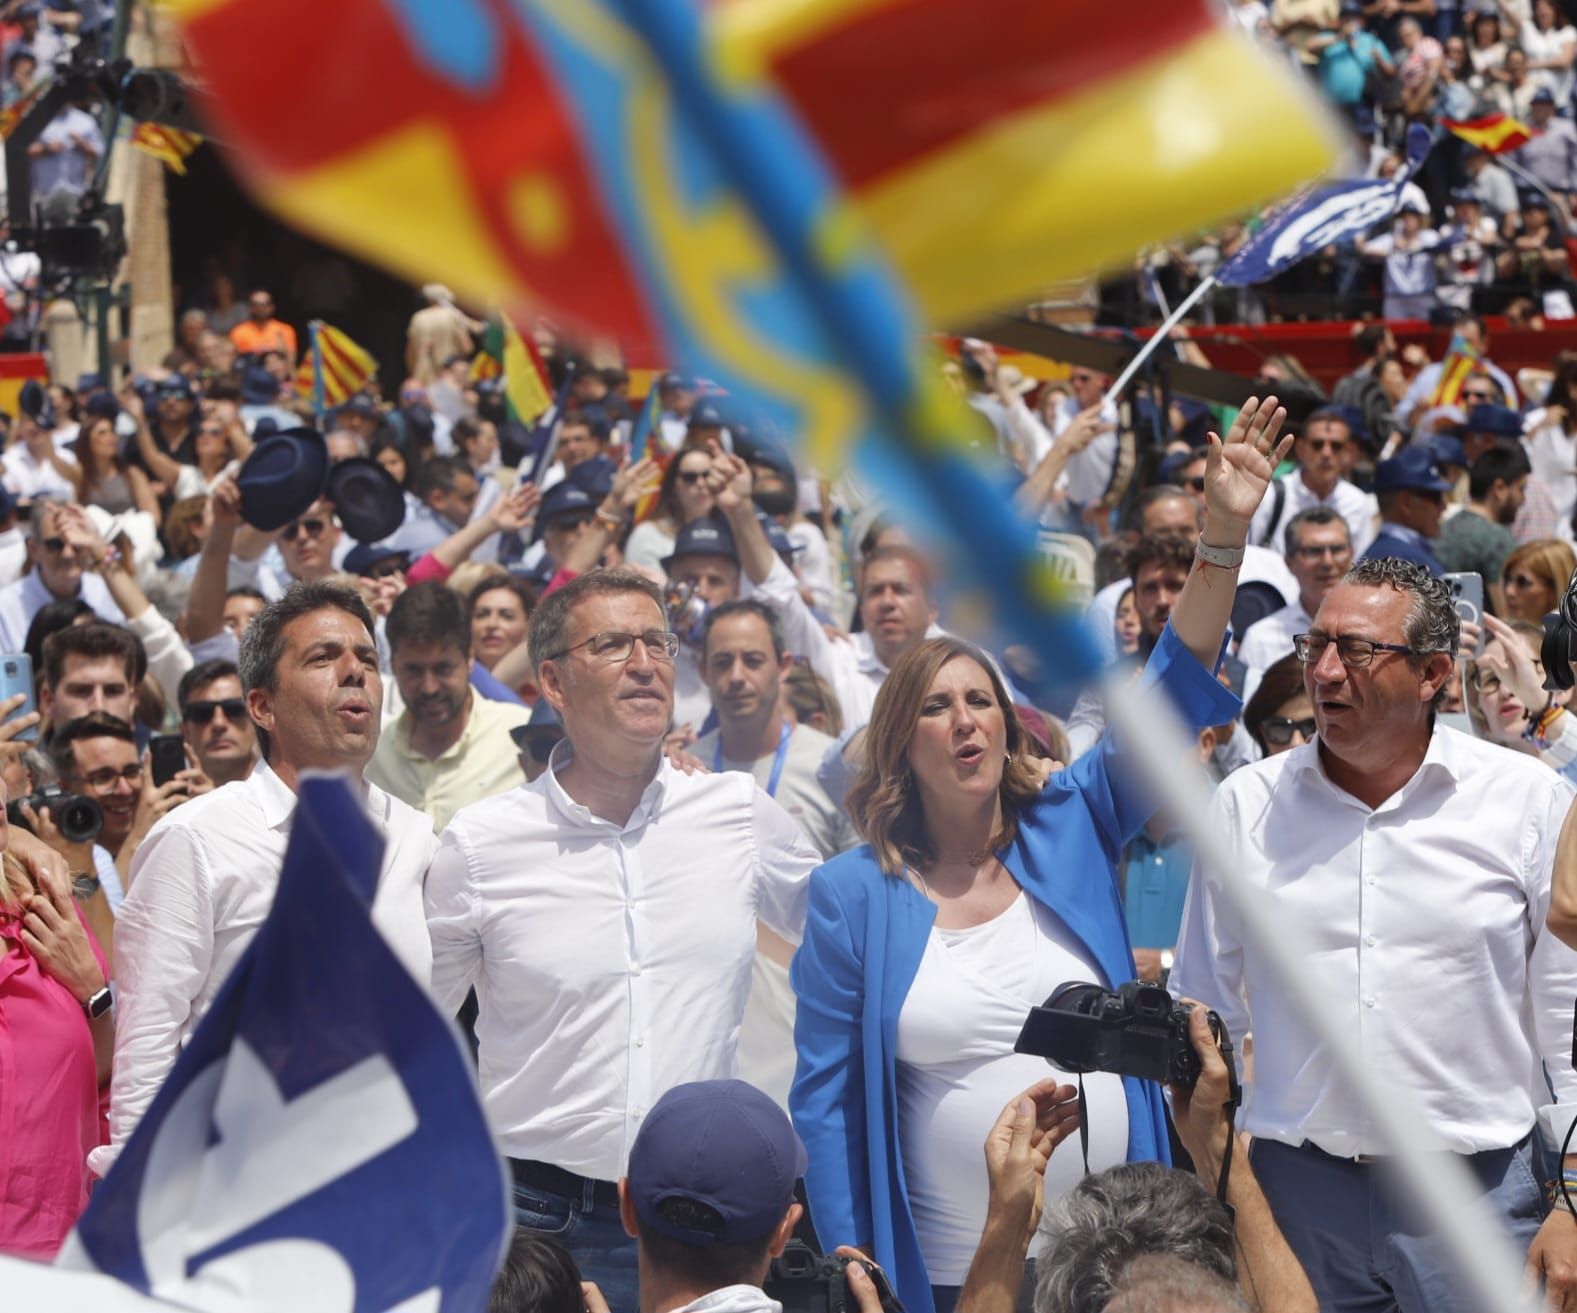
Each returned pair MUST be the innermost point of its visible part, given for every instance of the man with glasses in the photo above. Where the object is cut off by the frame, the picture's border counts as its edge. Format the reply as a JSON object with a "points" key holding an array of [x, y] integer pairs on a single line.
{"points": [[450, 746], [260, 331], [1319, 550], [60, 573], [218, 732], [203, 880], [607, 914], [1428, 907], [1412, 493], [1321, 452]]}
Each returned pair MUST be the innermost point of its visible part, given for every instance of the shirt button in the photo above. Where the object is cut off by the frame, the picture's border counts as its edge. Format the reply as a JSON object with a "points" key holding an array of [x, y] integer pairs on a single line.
{"points": [[640, 1042], [1368, 879], [1369, 939], [635, 968], [1369, 1001]]}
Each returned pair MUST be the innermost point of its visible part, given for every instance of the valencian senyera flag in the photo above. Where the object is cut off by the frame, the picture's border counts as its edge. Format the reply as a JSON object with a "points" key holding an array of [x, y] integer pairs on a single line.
{"points": [[666, 175], [335, 367]]}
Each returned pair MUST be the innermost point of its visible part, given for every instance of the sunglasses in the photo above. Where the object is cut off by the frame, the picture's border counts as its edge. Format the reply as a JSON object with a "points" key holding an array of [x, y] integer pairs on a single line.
{"points": [[1478, 396], [1279, 729], [1327, 444], [54, 546], [691, 476], [200, 713], [312, 527]]}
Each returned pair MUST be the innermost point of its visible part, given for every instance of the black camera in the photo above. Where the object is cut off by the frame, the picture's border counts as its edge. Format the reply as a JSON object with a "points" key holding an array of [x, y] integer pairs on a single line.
{"points": [[1557, 653], [804, 1281], [78, 819], [1136, 1030]]}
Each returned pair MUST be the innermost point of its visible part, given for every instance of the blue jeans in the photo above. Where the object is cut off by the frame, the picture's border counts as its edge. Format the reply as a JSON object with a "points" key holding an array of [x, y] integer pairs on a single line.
{"points": [[1364, 1249], [593, 1234]]}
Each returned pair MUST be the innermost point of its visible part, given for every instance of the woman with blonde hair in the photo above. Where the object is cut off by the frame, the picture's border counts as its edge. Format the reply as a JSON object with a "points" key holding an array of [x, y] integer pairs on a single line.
{"points": [[1534, 578], [978, 892]]}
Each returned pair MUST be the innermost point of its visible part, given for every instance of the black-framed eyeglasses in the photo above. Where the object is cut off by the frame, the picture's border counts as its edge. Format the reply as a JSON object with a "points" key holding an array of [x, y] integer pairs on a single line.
{"points": [[615, 645], [200, 713], [312, 526], [105, 777], [1313, 551], [1355, 652], [1280, 729]]}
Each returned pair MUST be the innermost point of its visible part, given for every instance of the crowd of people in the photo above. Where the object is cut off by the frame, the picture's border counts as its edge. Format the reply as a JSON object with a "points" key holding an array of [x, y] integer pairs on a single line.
{"points": [[721, 840]]}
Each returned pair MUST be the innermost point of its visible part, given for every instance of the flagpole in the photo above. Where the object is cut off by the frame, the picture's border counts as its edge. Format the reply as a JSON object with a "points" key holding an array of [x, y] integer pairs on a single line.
{"points": [[1157, 337], [318, 407]]}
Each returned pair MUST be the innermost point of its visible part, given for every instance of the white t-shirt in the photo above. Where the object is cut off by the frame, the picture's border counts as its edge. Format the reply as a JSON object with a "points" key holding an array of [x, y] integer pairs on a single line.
{"points": [[957, 1070]]}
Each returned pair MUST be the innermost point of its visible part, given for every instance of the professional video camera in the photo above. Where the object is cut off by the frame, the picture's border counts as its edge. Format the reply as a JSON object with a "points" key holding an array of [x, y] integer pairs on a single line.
{"points": [[1136, 1030], [804, 1281], [78, 819], [1558, 652]]}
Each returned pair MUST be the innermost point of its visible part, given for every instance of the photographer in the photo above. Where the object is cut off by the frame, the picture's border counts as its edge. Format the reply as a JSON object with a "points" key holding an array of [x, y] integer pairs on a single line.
{"points": [[1114, 1217], [710, 1201]]}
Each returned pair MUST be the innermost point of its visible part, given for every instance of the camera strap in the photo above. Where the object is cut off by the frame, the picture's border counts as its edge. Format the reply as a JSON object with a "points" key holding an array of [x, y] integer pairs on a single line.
{"points": [[1084, 1125], [1234, 1100]]}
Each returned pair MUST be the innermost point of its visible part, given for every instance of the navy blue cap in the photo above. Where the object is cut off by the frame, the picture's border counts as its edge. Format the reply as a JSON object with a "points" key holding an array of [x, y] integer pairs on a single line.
{"points": [[707, 536], [1448, 450], [566, 497], [1413, 469], [1543, 93], [1531, 198], [1461, 195], [673, 379], [714, 1163], [33, 401], [258, 387], [364, 556], [1502, 421], [777, 536], [594, 476], [176, 385], [544, 720], [774, 458], [706, 416], [360, 404]]}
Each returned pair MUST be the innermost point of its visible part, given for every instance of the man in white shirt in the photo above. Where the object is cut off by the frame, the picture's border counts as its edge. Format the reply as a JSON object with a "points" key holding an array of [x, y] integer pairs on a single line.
{"points": [[58, 575], [606, 914], [1428, 907], [203, 880], [1321, 451], [1319, 550], [1089, 473]]}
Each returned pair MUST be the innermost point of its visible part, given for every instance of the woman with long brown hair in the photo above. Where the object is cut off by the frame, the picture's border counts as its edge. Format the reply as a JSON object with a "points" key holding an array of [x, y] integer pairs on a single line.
{"points": [[978, 892]]}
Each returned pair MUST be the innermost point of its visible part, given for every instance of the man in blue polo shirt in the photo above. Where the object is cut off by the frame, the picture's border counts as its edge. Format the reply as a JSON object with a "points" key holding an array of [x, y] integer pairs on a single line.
{"points": [[1412, 493]]}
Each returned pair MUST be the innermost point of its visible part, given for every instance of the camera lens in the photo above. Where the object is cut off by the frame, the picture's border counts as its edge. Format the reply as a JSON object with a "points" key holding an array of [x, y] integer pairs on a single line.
{"points": [[80, 820]]}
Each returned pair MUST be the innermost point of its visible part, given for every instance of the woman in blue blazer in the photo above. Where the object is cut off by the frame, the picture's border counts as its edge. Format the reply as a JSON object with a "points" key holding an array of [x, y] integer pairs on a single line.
{"points": [[973, 879]]}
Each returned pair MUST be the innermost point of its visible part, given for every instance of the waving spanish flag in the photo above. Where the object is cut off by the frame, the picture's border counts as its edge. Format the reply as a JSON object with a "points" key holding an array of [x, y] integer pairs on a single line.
{"points": [[1496, 133]]}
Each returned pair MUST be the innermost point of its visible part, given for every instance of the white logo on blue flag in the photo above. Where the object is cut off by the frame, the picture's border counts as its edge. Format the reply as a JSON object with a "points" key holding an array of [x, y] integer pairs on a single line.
{"points": [[319, 1144]]}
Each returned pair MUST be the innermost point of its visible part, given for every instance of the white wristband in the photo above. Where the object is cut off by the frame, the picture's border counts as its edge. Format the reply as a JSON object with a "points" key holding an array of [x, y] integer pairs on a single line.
{"points": [[1225, 558]]}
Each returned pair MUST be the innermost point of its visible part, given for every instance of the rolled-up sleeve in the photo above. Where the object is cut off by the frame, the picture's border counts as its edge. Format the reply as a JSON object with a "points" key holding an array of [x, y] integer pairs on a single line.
{"points": [[454, 921]]}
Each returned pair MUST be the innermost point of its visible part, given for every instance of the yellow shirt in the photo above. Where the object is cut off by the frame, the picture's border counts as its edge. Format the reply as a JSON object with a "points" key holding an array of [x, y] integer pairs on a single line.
{"points": [[483, 761]]}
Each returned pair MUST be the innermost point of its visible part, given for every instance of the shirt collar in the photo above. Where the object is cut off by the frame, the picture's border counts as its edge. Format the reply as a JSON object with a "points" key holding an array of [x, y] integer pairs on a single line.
{"points": [[278, 800], [651, 798], [1442, 756]]}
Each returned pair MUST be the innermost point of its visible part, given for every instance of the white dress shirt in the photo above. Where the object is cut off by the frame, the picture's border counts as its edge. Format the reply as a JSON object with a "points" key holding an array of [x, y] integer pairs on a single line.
{"points": [[611, 962], [1089, 472], [30, 478], [200, 886], [1359, 508], [24, 599], [1427, 915], [1266, 641]]}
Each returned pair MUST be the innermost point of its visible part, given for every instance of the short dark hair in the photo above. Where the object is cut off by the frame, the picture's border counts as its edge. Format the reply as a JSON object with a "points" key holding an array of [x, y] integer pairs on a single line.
{"points": [[245, 591], [711, 1267], [429, 612], [264, 641], [510, 583], [899, 552], [464, 430], [1290, 537], [1160, 549], [439, 474], [550, 621], [1329, 415], [538, 1276], [1157, 493], [94, 725], [93, 641], [200, 676], [1504, 460], [747, 606]]}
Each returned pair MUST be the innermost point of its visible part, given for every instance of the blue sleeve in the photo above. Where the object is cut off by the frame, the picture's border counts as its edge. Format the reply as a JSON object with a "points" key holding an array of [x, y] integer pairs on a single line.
{"points": [[1118, 802], [828, 1096]]}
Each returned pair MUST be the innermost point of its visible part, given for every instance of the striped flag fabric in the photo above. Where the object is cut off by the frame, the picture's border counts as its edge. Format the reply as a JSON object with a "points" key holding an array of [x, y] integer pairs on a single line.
{"points": [[169, 145], [1495, 133], [12, 114], [1461, 360], [505, 354], [646, 441], [335, 367]]}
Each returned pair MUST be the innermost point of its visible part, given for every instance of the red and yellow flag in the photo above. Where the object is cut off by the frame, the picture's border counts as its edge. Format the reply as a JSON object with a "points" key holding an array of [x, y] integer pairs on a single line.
{"points": [[171, 145], [1496, 133], [341, 366], [11, 115], [1461, 360]]}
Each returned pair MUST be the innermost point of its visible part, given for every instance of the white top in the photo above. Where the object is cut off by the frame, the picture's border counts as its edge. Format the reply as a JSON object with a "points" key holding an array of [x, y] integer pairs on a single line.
{"points": [[611, 963], [1549, 45], [30, 478], [1428, 914], [1553, 456], [1266, 641], [648, 543], [24, 599], [1089, 472], [957, 1071], [13, 555], [199, 888], [1359, 508]]}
